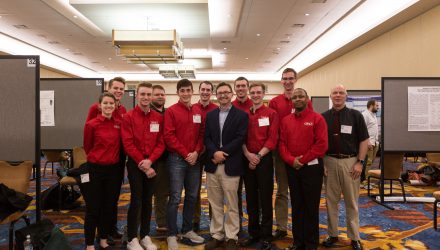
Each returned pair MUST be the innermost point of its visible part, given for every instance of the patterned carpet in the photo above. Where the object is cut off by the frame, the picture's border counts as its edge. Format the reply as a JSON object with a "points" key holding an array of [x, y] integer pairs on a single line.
{"points": [[409, 226]]}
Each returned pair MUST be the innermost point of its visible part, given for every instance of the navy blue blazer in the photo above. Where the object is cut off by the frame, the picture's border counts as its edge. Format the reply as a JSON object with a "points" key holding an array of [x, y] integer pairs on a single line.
{"points": [[233, 137]]}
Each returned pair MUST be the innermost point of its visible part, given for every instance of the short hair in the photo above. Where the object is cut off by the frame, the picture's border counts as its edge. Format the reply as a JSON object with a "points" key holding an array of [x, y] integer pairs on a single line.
{"points": [[287, 70], [117, 79], [207, 83], [184, 83], [241, 78], [224, 84], [302, 90], [144, 85], [157, 86], [106, 94], [258, 84], [371, 102]]}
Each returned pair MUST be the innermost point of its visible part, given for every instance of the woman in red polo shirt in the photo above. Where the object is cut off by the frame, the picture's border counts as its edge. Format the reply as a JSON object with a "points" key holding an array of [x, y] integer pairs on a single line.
{"points": [[100, 187]]}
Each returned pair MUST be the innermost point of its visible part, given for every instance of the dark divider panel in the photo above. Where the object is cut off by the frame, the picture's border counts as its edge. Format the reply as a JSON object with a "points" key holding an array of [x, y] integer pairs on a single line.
{"points": [[364, 92], [73, 98], [320, 103], [396, 136], [129, 99], [20, 113]]}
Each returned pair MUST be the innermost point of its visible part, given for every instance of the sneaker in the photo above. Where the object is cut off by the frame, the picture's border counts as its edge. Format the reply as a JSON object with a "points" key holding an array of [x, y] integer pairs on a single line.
{"points": [[279, 234], [213, 244], [134, 245], [193, 237], [172, 243], [148, 244], [231, 245], [371, 186]]}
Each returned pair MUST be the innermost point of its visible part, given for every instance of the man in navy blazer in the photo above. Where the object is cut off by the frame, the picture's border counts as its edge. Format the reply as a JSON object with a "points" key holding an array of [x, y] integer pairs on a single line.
{"points": [[225, 133]]}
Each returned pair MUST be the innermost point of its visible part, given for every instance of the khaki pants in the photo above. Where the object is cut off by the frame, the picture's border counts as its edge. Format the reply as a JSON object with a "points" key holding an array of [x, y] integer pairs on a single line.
{"points": [[337, 182], [371, 156], [282, 196], [221, 186]]}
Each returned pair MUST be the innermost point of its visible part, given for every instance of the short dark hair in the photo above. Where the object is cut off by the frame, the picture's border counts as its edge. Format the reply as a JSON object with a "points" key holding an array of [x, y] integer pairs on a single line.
{"points": [[371, 102], [144, 85], [224, 84], [241, 78], [184, 83], [287, 70], [207, 83], [302, 90], [157, 86], [258, 84], [117, 79], [106, 94]]}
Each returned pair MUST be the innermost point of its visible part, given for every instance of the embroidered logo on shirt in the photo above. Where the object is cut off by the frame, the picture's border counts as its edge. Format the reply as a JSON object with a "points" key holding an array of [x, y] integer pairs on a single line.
{"points": [[308, 123]]}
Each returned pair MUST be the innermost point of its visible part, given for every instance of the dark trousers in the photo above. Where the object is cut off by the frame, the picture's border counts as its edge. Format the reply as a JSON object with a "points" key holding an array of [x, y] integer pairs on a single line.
{"points": [[161, 192], [114, 217], [259, 191], [142, 189], [101, 195], [305, 192]]}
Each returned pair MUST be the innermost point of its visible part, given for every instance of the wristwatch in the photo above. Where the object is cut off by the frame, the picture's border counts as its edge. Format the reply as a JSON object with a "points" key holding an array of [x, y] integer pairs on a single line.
{"points": [[259, 156], [361, 161]]}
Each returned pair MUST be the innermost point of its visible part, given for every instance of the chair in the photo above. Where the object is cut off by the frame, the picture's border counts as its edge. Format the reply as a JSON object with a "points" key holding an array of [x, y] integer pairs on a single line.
{"points": [[392, 169], [55, 156], [437, 200], [17, 178], [433, 158], [79, 157]]}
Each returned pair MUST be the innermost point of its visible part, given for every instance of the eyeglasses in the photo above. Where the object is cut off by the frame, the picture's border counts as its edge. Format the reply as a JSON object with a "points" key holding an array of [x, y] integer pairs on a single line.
{"points": [[288, 78], [223, 93]]}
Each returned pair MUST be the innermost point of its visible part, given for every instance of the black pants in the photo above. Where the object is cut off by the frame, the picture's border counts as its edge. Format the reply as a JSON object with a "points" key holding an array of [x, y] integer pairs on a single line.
{"points": [[305, 192], [259, 191], [142, 189], [101, 195]]}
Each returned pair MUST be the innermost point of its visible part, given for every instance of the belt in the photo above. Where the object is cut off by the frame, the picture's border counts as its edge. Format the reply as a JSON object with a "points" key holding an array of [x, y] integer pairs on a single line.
{"points": [[341, 156]]}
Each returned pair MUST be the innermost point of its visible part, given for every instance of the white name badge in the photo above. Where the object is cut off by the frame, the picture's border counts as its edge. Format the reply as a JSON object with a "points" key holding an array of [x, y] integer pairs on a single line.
{"points": [[263, 122], [154, 127], [313, 162], [197, 119], [345, 129], [85, 178]]}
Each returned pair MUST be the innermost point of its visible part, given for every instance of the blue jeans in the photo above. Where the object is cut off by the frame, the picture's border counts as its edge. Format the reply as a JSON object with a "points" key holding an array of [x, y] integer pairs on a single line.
{"points": [[182, 175]]}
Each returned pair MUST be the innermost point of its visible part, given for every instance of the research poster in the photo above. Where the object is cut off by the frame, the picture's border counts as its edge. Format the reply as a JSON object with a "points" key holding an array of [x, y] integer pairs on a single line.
{"points": [[47, 108], [424, 108]]}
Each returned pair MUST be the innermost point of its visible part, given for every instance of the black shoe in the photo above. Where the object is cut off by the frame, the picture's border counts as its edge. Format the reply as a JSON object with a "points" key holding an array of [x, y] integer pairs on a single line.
{"points": [[330, 241], [248, 241], [116, 234], [231, 245], [196, 227], [279, 234], [356, 245], [266, 245], [212, 244]]}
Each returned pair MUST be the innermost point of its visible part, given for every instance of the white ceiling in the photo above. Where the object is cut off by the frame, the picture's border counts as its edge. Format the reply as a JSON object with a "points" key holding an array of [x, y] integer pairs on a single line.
{"points": [[243, 36]]}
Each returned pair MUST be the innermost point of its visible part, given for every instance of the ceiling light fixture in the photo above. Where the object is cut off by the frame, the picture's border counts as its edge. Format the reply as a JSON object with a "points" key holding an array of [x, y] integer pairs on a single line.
{"points": [[177, 71], [258, 34], [148, 46]]}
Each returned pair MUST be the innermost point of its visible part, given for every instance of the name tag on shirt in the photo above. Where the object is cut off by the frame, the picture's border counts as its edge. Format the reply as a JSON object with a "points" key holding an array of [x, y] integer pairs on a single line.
{"points": [[263, 122], [345, 129], [85, 178], [313, 162], [197, 119], [154, 127]]}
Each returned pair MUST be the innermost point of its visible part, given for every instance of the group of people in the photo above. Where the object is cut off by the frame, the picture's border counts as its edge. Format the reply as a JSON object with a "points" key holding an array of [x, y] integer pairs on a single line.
{"points": [[237, 142]]}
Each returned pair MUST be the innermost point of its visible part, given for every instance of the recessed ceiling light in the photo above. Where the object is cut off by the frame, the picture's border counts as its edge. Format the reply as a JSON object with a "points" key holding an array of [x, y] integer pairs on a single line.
{"points": [[67, 49], [278, 48], [225, 48], [307, 14], [258, 34], [247, 58], [75, 16], [109, 58]]}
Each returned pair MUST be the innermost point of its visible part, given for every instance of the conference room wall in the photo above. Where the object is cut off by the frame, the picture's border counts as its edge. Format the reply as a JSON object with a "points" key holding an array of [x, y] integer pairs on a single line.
{"points": [[411, 49]]}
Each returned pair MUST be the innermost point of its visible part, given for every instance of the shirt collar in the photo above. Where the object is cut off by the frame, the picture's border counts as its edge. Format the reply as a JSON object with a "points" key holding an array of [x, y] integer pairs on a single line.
{"points": [[226, 109], [138, 109], [262, 107], [303, 113]]}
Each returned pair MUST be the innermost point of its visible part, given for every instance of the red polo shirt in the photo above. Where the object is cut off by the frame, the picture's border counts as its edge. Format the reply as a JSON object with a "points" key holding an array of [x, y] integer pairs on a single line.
{"points": [[205, 109], [245, 106], [284, 105], [142, 134], [184, 129], [303, 134], [95, 111], [262, 129], [102, 140]]}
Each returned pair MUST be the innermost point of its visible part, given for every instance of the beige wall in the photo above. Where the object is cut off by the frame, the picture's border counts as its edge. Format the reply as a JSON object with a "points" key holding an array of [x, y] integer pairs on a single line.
{"points": [[411, 49], [47, 73]]}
